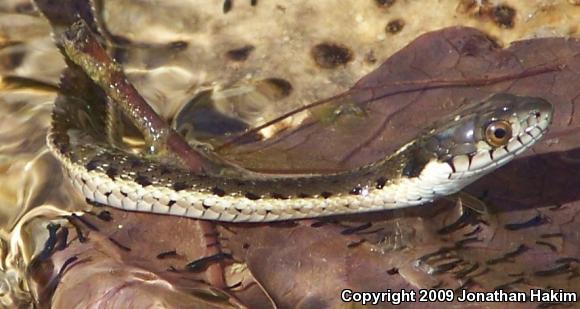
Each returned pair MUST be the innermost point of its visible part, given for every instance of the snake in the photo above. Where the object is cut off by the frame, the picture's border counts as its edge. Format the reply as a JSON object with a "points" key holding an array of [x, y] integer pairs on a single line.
{"points": [[451, 153]]}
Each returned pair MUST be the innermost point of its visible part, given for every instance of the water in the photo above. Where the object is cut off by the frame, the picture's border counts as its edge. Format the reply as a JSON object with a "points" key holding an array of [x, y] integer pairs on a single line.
{"points": [[34, 192]]}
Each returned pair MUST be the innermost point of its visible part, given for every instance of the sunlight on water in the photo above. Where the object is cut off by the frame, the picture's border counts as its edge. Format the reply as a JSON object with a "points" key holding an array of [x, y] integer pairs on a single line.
{"points": [[33, 190]]}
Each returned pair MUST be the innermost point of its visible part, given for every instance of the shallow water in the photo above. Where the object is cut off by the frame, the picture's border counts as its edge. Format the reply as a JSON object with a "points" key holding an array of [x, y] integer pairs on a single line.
{"points": [[33, 191]]}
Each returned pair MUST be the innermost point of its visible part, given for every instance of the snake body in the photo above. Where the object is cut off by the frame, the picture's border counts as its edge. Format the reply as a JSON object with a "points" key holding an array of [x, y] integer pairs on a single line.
{"points": [[443, 159]]}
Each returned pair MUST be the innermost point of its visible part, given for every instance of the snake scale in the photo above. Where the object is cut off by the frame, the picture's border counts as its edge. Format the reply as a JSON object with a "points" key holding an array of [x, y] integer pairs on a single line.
{"points": [[452, 153]]}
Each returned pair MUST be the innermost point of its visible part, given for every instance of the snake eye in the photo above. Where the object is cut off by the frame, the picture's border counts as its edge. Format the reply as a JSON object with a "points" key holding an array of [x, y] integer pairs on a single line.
{"points": [[498, 133]]}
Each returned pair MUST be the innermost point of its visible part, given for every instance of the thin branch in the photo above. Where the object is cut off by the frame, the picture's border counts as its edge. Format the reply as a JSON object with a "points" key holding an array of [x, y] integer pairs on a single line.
{"points": [[83, 49]]}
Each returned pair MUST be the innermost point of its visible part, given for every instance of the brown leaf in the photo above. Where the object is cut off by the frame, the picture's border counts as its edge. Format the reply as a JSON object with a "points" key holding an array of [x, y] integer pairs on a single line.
{"points": [[527, 238], [430, 78]]}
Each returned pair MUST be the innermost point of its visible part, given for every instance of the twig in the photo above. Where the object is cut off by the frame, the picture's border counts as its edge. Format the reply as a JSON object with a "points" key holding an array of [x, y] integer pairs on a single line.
{"points": [[83, 49]]}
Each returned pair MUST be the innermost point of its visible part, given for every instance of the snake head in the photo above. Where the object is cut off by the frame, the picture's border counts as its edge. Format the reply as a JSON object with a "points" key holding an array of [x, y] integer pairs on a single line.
{"points": [[484, 136], [503, 122]]}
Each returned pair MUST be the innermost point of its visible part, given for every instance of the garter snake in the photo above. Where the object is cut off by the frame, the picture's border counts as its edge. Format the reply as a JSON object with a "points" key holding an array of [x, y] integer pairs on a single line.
{"points": [[452, 153]]}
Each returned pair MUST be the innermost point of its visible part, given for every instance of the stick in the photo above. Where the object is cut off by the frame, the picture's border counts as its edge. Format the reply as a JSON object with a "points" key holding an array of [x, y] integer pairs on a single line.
{"points": [[82, 48]]}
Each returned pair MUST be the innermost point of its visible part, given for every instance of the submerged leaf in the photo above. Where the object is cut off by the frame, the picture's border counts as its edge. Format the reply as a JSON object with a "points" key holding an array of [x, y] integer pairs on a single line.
{"points": [[430, 78]]}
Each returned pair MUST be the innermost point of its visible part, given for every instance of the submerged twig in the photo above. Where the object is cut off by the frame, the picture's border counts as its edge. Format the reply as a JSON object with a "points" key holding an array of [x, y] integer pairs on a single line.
{"points": [[82, 48]]}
